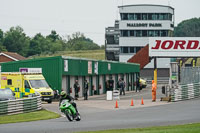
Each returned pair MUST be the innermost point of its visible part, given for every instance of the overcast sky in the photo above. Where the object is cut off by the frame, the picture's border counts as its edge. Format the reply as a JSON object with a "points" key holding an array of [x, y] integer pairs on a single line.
{"points": [[87, 16]]}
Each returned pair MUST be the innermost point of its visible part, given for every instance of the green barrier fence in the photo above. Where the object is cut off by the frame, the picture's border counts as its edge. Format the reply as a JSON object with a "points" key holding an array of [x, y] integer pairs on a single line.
{"points": [[186, 92]]}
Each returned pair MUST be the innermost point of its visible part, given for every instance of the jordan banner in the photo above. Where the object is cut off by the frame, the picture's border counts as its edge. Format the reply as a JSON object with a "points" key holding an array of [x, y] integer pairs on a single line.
{"points": [[174, 47]]}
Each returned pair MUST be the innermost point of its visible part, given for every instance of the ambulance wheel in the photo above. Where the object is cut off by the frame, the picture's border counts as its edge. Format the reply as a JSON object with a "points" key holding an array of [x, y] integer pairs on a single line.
{"points": [[50, 101]]}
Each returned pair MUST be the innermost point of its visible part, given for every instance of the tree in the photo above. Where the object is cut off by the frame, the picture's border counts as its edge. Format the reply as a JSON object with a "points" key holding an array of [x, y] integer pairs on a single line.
{"points": [[102, 46], [15, 40], [55, 46], [79, 42], [1, 36], [188, 28], [54, 36], [38, 45]]}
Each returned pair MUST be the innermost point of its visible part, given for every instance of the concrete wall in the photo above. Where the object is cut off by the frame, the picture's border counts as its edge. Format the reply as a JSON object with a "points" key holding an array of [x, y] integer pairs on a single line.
{"points": [[101, 83], [80, 81], [72, 81], [64, 83]]}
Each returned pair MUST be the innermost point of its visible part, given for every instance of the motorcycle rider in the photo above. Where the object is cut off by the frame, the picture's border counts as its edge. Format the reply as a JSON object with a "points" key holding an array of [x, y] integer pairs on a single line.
{"points": [[64, 95]]}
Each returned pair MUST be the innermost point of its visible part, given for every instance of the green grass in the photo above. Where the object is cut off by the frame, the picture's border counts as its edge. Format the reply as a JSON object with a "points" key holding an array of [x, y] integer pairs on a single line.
{"points": [[189, 128], [90, 54], [25, 117]]}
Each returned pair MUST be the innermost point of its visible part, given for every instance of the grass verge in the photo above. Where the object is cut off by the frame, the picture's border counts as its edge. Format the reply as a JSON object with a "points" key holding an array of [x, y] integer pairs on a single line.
{"points": [[188, 128], [90, 54], [31, 116]]}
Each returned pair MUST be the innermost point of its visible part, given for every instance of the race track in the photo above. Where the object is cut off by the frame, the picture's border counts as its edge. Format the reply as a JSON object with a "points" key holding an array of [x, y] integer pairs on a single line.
{"points": [[99, 119]]}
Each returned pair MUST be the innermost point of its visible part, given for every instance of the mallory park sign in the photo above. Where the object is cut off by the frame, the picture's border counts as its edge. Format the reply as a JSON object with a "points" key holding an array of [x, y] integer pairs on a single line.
{"points": [[174, 46], [144, 25]]}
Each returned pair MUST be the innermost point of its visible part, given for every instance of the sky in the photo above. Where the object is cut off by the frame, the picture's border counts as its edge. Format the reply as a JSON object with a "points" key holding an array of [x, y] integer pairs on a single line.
{"points": [[89, 17]]}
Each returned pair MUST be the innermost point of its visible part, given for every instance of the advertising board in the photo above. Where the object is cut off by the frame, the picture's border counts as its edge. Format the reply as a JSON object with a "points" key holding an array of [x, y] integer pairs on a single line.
{"points": [[30, 70], [174, 47]]}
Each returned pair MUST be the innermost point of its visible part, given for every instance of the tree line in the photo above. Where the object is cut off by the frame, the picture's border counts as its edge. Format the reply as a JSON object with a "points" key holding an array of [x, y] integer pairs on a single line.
{"points": [[188, 28], [15, 40]]}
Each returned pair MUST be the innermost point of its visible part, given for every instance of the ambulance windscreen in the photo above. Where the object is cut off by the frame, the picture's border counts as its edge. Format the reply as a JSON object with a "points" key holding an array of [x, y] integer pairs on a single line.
{"points": [[39, 83]]}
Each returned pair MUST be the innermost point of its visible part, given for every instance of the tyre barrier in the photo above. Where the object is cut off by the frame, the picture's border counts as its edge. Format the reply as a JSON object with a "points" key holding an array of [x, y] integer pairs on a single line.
{"points": [[20, 105], [186, 92]]}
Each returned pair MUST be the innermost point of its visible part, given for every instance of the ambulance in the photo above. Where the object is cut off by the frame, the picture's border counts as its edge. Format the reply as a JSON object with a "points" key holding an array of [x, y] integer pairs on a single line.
{"points": [[27, 85]]}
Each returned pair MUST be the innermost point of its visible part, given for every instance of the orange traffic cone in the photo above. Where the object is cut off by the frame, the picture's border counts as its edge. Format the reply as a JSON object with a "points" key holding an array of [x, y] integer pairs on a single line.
{"points": [[132, 102], [142, 102], [116, 105]]}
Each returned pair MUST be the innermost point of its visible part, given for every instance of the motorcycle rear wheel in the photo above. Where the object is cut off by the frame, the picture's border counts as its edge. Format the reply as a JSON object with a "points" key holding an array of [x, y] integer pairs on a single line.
{"points": [[78, 117]]}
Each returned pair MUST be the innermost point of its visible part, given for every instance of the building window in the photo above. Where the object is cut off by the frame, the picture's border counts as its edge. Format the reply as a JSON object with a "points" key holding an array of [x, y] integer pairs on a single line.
{"points": [[164, 33], [116, 39], [110, 39], [138, 33], [165, 16], [125, 50], [170, 17], [132, 49], [150, 33], [124, 33], [124, 16], [9, 82], [138, 49], [150, 16], [144, 33], [161, 16], [132, 33], [131, 16], [138, 16], [144, 16], [157, 33], [154, 16]]}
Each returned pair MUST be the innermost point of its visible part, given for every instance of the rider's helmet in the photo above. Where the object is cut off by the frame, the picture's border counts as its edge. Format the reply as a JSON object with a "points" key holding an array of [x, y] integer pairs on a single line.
{"points": [[63, 93]]}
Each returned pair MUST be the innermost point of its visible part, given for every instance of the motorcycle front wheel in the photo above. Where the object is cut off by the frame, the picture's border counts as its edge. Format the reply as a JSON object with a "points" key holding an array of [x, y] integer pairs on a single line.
{"points": [[69, 116]]}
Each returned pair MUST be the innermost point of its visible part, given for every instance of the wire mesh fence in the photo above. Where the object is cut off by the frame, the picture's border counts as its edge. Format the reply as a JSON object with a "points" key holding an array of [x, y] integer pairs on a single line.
{"points": [[190, 75]]}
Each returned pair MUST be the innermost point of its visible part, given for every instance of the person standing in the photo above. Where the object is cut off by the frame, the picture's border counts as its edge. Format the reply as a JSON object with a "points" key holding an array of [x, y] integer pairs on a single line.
{"points": [[58, 95], [76, 89], [122, 86], [55, 94], [111, 84], [137, 84], [153, 91], [107, 85], [85, 93], [118, 84]]}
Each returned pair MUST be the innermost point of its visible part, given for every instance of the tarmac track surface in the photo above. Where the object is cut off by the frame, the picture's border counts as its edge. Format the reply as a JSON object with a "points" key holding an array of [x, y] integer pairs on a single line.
{"points": [[100, 119]]}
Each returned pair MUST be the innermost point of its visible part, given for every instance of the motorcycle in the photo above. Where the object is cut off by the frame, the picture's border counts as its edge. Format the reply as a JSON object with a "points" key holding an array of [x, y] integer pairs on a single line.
{"points": [[69, 110]]}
